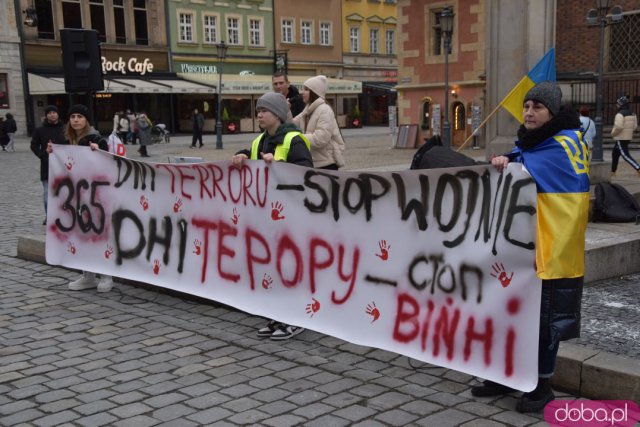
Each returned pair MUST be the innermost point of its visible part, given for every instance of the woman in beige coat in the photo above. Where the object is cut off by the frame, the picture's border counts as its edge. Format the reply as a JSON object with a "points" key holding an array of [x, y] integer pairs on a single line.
{"points": [[624, 124], [319, 125]]}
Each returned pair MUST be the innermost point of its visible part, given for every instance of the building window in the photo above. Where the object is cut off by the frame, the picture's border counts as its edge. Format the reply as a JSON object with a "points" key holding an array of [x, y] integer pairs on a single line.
{"points": [[287, 31], [255, 32], [118, 18], [233, 30], [390, 42], [354, 39], [374, 41], [425, 122], [96, 11], [45, 19], [210, 26], [71, 14], [305, 32], [624, 45], [4, 91], [325, 33], [140, 22], [436, 35], [185, 25]]}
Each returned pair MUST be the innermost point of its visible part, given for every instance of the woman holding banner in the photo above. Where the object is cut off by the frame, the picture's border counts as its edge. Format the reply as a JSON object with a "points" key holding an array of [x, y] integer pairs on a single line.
{"points": [[79, 131], [550, 147]]}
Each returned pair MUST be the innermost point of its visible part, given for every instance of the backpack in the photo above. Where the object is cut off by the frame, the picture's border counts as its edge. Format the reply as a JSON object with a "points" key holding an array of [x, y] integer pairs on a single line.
{"points": [[615, 204], [433, 155]]}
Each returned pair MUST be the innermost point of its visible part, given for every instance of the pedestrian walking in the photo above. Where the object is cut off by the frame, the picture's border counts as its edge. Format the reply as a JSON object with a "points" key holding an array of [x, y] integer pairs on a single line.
{"points": [[624, 124], [318, 123], [144, 133], [51, 131], [79, 131], [9, 129], [562, 183], [280, 83], [133, 127], [198, 126], [280, 142]]}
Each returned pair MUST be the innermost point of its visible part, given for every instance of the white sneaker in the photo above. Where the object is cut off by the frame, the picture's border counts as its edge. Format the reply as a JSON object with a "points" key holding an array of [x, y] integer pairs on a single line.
{"points": [[105, 284], [87, 281]]}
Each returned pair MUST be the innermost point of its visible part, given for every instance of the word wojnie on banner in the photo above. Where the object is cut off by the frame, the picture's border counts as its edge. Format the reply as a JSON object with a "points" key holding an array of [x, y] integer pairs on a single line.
{"points": [[436, 264]]}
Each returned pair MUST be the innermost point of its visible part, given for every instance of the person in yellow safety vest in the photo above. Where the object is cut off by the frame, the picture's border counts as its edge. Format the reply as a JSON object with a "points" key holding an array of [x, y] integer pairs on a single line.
{"points": [[280, 142]]}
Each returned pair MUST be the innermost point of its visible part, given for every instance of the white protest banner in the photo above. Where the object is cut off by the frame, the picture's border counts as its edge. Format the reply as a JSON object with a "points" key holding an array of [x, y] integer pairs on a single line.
{"points": [[437, 265]]}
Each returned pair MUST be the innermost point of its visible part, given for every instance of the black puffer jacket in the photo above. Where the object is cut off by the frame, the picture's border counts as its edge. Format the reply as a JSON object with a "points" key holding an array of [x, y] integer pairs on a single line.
{"points": [[296, 101], [46, 133], [95, 137]]}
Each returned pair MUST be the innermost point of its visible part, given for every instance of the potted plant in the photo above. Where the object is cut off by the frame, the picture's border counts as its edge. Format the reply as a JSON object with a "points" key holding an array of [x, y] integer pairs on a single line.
{"points": [[355, 120], [229, 124]]}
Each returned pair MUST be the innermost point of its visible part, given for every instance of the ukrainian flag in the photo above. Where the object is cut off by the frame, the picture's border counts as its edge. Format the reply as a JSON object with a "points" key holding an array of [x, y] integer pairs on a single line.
{"points": [[544, 70]]}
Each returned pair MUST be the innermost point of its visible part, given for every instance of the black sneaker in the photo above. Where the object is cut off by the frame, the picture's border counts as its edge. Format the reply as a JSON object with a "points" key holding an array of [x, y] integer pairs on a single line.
{"points": [[271, 327], [530, 402], [284, 332], [489, 388]]}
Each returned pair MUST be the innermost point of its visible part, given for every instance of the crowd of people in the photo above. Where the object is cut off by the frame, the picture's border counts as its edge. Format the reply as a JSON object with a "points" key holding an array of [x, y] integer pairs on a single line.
{"points": [[299, 127]]}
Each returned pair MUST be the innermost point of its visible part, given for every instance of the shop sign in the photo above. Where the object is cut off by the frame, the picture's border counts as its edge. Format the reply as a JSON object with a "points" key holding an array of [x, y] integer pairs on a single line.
{"points": [[131, 66], [198, 69]]}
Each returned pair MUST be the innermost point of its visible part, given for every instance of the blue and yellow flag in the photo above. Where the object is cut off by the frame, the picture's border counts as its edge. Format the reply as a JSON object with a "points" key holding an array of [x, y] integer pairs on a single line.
{"points": [[544, 70]]}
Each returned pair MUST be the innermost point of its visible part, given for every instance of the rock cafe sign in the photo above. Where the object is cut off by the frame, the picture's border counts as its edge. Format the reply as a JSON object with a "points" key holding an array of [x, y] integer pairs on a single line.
{"points": [[133, 65]]}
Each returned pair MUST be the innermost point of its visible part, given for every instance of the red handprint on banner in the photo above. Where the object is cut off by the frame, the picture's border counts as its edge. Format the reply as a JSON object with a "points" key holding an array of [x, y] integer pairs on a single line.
{"points": [[108, 252], [266, 281], [144, 202], [71, 248], [276, 210], [500, 273], [384, 250], [235, 217], [197, 247], [156, 267], [69, 163], [373, 311], [177, 206], [313, 308]]}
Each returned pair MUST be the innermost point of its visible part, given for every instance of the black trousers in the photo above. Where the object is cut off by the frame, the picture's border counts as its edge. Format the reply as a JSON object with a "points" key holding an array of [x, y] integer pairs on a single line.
{"points": [[197, 136], [622, 149]]}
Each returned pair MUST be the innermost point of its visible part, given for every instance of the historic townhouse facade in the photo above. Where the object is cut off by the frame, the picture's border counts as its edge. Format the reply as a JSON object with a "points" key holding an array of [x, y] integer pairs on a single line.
{"points": [[370, 48]]}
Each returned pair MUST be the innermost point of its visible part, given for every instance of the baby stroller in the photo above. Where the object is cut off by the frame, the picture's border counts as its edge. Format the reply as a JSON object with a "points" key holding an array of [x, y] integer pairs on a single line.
{"points": [[159, 134]]}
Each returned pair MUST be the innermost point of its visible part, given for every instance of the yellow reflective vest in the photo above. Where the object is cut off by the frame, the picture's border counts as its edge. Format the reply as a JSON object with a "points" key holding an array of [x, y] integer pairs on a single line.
{"points": [[282, 150]]}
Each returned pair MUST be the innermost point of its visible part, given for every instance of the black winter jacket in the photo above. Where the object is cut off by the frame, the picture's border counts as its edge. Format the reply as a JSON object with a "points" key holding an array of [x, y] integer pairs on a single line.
{"points": [[39, 140], [95, 137], [295, 99]]}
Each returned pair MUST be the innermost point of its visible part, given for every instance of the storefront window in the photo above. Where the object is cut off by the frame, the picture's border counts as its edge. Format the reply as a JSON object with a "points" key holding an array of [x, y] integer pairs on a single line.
{"points": [[237, 108], [4, 92]]}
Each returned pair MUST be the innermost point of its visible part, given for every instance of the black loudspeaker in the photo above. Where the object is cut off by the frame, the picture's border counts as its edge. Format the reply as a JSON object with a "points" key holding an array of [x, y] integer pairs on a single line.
{"points": [[81, 60]]}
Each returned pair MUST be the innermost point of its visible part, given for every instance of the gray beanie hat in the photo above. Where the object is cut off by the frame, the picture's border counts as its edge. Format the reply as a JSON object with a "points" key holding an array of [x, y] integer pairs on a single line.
{"points": [[546, 93], [276, 103]]}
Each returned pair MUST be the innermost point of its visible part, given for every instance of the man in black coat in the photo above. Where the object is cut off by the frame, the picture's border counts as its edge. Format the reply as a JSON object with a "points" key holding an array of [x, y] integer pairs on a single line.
{"points": [[52, 130], [281, 84]]}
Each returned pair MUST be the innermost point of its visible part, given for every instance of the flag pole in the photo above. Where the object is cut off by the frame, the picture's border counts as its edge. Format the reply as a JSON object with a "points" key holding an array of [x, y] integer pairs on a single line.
{"points": [[479, 127]]}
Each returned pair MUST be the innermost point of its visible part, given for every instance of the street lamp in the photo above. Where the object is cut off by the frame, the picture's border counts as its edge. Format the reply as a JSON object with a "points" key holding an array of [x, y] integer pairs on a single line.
{"points": [[446, 26], [222, 54], [598, 16]]}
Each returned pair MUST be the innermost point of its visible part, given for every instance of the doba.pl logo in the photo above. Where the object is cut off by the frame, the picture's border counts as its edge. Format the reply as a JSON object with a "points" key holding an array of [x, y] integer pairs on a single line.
{"points": [[592, 413]]}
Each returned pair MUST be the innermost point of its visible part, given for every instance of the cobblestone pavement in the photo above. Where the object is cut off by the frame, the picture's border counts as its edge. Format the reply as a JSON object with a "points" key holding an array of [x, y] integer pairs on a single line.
{"points": [[135, 357]]}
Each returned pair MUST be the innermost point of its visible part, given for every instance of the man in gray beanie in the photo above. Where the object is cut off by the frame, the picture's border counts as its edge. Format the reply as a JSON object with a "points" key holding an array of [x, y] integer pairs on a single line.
{"points": [[280, 142]]}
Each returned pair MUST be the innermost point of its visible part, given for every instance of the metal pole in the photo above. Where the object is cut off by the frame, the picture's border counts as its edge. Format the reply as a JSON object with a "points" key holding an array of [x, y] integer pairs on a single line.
{"points": [[219, 118], [446, 128], [597, 142]]}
